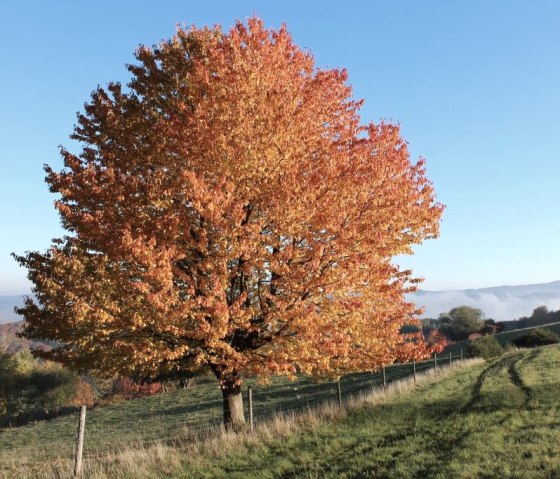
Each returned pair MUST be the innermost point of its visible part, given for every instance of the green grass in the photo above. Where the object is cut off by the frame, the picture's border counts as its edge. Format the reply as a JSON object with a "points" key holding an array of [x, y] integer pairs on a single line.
{"points": [[499, 420], [493, 420], [175, 416], [504, 338]]}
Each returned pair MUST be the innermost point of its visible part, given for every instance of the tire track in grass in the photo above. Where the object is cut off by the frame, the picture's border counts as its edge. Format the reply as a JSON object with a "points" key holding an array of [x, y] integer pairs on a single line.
{"points": [[517, 379], [447, 445], [481, 379], [511, 363]]}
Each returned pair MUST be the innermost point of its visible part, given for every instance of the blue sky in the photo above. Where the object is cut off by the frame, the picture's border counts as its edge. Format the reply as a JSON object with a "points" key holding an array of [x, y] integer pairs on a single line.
{"points": [[474, 85]]}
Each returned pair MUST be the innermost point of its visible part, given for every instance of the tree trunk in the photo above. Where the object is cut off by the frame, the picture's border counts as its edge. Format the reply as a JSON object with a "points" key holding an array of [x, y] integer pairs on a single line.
{"points": [[234, 416], [186, 383]]}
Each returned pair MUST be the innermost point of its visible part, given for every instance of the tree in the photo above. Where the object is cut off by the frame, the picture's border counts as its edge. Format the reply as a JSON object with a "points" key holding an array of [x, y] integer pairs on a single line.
{"points": [[540, 313], [491, 327], [437, 341], [461, 321], [228, 209]]}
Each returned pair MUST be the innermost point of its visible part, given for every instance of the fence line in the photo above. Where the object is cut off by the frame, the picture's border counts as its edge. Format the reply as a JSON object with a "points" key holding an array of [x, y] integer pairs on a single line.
{"points": [[264, 403]]}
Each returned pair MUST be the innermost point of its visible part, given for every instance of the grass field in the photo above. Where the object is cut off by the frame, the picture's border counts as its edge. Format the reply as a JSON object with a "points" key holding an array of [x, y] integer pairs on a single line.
{"points": [[492, 420], [174, 417], [497, 420]]}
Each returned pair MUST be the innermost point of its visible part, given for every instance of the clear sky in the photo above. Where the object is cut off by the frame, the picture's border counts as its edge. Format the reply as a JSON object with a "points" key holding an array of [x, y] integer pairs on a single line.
{"points": [[475, 86]]}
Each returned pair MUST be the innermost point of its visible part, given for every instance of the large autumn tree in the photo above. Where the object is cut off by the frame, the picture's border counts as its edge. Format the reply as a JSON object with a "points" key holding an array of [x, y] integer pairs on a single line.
{"points": [[230, 210]]}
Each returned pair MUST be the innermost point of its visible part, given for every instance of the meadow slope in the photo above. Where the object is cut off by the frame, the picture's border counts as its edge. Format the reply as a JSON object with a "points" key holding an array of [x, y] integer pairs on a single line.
{"points": [[497, 420], [488, 420]]}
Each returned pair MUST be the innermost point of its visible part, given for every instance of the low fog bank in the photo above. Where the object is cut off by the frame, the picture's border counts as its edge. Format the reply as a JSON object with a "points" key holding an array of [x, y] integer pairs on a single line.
{"points": [[502, 303]]}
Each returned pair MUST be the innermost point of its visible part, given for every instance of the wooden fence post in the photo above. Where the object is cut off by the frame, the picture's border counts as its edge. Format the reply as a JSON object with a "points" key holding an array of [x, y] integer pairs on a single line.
{"points": [[384, 379], [450, 358], [339, 390], [461, 354], [414, 369], [80, 444], [251, 422], [435, 361]]}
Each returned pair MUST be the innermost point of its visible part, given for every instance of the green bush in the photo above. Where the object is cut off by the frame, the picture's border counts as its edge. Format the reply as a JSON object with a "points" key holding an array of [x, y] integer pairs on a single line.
{"points": [[537, 337], [486, 347], [31, 389]]}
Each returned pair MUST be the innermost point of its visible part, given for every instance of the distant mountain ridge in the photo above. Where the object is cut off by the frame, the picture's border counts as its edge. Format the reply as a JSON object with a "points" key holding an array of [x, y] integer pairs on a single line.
{"points": [[10, 342], [502, 303]]}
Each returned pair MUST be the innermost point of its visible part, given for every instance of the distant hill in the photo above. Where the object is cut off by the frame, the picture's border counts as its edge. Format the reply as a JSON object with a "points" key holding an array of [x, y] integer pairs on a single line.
{"points": [[501, 303], [10, 325], [13, 344]]}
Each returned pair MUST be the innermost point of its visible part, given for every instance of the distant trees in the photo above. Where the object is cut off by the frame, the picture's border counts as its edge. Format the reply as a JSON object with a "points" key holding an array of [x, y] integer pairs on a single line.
{"points": [[458, 323], [540, 316], [491, 327], [540, 313]]}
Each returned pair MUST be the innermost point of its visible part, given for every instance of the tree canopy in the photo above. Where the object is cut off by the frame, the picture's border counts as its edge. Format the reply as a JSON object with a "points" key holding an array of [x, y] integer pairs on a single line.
{"points": [[229, 209], [461, 321]]}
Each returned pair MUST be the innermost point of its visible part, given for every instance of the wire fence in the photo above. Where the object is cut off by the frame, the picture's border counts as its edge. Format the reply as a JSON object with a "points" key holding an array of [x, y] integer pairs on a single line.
{"points": [[141, 423]]}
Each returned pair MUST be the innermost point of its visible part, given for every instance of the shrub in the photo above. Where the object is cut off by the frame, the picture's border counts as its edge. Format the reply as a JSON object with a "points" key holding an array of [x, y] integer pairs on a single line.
{"points": [[537, 337], [51, 388], [31, 389], [486, 347], [84, 395], [130, 389]]}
